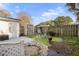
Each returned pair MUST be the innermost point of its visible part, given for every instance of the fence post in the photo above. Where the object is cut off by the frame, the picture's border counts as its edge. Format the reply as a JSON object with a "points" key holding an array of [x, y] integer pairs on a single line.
{"points": [[61, 31], [78, 30]]}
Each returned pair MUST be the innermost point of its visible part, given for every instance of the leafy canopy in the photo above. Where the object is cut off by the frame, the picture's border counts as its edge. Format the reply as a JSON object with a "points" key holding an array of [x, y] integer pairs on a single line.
{"points": [[63, 20]]}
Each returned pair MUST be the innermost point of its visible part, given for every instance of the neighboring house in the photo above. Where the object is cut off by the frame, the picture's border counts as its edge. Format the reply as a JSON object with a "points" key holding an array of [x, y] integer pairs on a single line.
{"points": [[43, 27], [9, 26]]}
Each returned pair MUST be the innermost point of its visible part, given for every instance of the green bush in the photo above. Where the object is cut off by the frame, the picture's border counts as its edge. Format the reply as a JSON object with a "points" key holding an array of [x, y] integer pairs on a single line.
{"points": [[51, 33], [41, 39]]}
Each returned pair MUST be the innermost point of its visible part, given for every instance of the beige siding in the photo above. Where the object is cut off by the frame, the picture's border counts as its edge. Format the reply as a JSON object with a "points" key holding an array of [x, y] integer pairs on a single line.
{"points": [[9, 28]]}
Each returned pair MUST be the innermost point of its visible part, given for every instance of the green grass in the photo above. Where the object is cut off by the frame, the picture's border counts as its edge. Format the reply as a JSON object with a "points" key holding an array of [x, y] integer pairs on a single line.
{"points": [[57, 39], [73, 42], [44, 40], [31, 36], [41, 39]]}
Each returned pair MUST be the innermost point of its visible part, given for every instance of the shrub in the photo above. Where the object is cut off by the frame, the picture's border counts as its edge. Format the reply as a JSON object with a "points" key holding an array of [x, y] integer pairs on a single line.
{"points": [[51, 33]]}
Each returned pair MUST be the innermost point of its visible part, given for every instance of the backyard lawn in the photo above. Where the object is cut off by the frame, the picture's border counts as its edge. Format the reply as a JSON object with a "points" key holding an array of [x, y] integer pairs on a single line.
{"points": [[71, 45], [72, 42], [44, 40], [57, 39]]}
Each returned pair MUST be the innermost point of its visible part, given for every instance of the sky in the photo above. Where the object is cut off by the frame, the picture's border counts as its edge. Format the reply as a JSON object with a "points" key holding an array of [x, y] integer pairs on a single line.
{"points": [[39, 12]]}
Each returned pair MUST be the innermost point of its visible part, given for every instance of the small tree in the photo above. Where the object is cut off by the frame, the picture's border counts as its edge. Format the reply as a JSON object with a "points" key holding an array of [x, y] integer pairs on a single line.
{"points": [[24, 18], [4, 13], [62, 20]]}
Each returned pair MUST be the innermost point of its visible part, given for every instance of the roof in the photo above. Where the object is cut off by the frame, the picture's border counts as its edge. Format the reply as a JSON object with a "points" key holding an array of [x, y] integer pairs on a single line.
{"points": [[46, 24], [9, 19]]}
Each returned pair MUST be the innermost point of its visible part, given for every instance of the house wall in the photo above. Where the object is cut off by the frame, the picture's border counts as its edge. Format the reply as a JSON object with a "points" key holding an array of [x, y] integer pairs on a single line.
{"points": [[9, 28], [14, 29], [4, 27]]}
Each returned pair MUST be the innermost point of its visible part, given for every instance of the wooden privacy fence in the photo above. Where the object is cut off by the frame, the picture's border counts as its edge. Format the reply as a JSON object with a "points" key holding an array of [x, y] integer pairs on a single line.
{"points": [[64, 30], [67, 30]]}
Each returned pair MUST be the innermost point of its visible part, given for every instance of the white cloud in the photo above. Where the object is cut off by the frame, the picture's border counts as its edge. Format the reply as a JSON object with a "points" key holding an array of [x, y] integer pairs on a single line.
{"points": [[1, 5], [49, 14], [53, 12], [37, 20], [12, 13], [4, 5], [17, 9], [60, 10], [74, 18]]}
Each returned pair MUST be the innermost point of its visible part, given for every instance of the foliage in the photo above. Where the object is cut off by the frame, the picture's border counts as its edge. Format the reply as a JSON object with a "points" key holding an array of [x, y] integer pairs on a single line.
{"points": [[62, 20], [71, 7], [24, 19], [68, 20], [51, 32], [73, 42], [41, 39], [4, 13], [43, 24], [31, 36]]}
